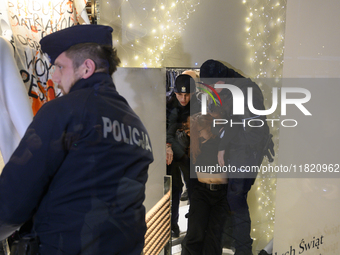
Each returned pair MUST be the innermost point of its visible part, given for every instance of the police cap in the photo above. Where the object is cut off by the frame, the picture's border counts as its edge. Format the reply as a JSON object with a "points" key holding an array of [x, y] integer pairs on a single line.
{"points": [[56, 43], [184, 83]]}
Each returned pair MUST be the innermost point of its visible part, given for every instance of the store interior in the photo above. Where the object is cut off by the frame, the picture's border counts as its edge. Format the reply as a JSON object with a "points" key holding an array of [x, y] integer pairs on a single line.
{"points": [[281, 43]]}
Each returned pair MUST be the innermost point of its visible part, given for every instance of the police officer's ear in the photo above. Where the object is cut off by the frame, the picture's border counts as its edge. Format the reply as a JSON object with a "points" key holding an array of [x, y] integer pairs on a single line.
{"points": [[88, 68]]}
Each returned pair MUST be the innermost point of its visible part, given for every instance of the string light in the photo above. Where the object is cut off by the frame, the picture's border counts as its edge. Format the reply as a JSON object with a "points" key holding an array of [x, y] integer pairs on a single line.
{"points": [[265, 27], [159, 27], [260, 19]]}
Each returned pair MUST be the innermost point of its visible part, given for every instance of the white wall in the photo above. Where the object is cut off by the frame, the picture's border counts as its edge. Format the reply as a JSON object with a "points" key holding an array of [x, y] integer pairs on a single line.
{"points": [[144, 89], [312, 39], [216, 30], [213, 30], [308, 208]]}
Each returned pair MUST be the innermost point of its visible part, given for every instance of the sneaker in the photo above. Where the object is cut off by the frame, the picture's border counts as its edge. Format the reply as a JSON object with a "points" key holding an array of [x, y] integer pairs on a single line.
{"points": [[184, 196], [243, 252]]}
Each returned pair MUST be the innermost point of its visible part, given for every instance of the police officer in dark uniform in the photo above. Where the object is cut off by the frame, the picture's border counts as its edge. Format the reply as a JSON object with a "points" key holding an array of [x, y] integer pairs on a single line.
{"points": [[244, 146], [178, 142], [80, 170]]}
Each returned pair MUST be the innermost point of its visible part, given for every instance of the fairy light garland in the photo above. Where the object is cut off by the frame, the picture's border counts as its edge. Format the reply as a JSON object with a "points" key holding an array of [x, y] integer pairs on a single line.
{"points": [[147, 30], [265, 29], [265, 36]]}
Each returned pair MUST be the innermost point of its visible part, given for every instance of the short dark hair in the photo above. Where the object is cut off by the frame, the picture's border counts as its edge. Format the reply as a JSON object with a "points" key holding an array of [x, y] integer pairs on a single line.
{"points": [[104, 56]]}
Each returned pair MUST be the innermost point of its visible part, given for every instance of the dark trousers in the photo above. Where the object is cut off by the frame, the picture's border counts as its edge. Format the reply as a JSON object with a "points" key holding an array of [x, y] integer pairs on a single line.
{"points": [[239, 185], [176, 169], [207, 213], [241, 223]]}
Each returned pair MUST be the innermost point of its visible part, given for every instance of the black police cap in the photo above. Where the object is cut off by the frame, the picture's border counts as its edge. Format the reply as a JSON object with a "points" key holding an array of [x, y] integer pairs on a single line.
{"points": [[184, 83], [56, 43]]}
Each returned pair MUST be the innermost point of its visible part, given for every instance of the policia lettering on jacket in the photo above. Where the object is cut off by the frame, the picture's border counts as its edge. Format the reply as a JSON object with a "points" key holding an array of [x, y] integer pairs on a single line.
{"points": [[130, 136]]}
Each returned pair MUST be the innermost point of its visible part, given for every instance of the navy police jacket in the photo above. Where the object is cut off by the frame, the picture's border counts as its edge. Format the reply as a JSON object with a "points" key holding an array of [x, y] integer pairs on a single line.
{"points": [[80, 173]]}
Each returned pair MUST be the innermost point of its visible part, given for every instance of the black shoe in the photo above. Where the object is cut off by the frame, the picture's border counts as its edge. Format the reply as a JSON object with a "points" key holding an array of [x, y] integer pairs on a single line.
{"points": [[243, 252], [175, 231], [263, 252], [184, 196]]}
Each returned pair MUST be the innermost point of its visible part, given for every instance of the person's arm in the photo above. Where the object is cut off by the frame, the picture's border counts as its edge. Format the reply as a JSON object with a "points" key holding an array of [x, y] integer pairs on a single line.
{"points": [[178, 151], [169, 154], [25, 178]]}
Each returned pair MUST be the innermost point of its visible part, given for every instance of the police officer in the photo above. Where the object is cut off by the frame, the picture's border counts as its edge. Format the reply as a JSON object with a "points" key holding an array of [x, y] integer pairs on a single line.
{"points": [[178, 142], [243, 145], [80, 170]]}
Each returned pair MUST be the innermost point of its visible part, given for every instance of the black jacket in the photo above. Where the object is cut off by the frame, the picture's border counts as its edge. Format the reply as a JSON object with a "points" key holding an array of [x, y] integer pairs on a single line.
{"points": [[178, 116], [243, 141]]}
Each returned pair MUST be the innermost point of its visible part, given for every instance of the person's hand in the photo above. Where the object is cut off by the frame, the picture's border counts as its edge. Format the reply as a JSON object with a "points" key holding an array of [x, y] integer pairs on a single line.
{"points": [[218, 90], [169, 155], [220, 158]]}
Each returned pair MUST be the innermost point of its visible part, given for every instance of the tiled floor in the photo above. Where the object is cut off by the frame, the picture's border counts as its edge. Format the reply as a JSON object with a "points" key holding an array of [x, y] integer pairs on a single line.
{"points": [[182, 223]]}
